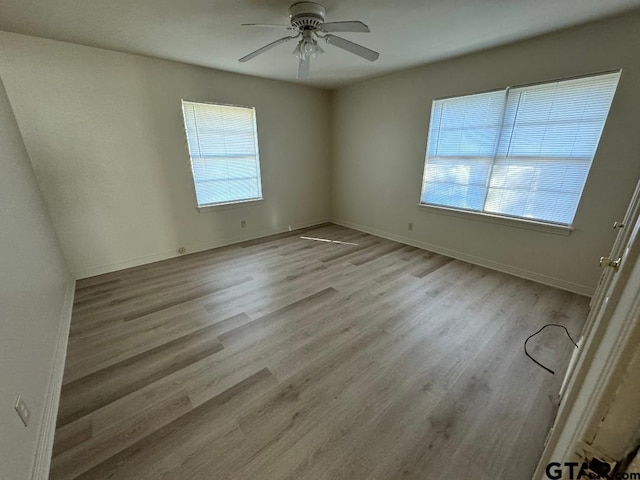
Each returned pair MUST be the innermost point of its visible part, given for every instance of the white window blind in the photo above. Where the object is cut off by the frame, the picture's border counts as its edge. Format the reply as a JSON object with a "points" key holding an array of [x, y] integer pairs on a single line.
{"points": [[523, 152], [223, 146]]}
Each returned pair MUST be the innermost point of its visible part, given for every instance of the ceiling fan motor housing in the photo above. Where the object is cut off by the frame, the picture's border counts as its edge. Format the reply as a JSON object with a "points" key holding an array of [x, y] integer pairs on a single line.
{"points": [[306, 15]]}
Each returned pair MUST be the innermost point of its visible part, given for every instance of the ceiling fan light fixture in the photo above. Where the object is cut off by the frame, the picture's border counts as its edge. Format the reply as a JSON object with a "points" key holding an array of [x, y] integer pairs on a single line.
{"points": [[308, 48], [307, 20]]}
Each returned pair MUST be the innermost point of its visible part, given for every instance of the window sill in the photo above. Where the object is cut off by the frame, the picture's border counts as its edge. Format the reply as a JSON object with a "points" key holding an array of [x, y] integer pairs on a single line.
{"points": [[508, 221], [230, 205]]}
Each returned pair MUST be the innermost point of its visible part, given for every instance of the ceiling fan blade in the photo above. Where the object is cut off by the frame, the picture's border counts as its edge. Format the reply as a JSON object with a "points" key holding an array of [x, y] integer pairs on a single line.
{"points": [[268, 25], [303, 67], [246, 58], [354, 26], [352, 47]]}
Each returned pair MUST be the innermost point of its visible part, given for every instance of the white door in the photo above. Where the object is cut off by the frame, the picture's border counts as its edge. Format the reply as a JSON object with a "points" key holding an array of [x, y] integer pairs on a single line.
{"points": [[607, 339], [605, 292]]}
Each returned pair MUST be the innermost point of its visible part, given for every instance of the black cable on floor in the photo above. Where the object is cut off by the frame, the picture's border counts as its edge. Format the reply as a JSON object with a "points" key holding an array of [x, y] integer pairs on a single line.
{"points": [[533, 335]]}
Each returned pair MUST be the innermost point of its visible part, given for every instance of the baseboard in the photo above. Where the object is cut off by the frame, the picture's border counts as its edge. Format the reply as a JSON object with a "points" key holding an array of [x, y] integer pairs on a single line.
{"points": [[157, 257], [123, 264], [519, 272], [44, 448], [483, 262]]}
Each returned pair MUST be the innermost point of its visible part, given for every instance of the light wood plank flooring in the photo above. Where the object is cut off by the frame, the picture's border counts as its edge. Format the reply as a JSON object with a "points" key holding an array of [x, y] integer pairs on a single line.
{"points": [[322, 354]]}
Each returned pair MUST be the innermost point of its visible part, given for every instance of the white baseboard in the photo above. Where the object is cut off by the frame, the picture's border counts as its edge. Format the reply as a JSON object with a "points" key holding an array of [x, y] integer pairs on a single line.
{"points": [[156, 257], [519, 272], [44, 448], [483, 262], [124, 264]]}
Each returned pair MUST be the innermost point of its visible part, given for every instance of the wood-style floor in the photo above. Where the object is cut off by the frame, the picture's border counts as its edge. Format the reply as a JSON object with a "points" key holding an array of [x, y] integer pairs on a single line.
{"points": [[322, 354]]}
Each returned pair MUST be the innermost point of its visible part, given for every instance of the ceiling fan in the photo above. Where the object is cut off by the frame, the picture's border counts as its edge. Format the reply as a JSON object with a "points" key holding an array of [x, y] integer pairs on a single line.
{"points": [[307, 20]]}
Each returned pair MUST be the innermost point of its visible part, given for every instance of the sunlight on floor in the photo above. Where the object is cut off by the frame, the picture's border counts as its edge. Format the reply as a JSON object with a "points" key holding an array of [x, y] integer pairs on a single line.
{"points": [[327, 240]]}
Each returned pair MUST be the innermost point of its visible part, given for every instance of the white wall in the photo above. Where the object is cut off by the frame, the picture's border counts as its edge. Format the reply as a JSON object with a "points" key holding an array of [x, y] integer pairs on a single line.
{"points": [[379, 139], [35, 304], [105, 135]]}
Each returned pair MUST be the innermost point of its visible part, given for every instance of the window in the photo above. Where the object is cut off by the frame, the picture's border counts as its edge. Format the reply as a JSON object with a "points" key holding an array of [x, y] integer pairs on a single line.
{"points": [[523, 152], [223, 146]]}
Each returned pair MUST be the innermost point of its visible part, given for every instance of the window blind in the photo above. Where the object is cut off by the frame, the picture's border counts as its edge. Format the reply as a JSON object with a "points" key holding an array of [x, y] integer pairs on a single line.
{"points": [[223, 147], [521, 152], [462, 143]]}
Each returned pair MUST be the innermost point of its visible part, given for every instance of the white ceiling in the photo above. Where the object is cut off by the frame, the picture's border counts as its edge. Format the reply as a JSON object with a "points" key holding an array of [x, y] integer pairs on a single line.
{"points": [[208, 32]]}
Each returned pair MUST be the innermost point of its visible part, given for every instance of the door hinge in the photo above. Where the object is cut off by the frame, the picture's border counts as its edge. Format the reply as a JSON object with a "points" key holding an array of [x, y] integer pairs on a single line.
{"points": [[607, 262]]}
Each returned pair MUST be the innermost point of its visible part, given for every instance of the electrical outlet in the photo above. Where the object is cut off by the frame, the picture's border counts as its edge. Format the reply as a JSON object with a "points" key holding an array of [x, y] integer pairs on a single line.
{"points": [[411, 226], [23, 411], [243, 223]]}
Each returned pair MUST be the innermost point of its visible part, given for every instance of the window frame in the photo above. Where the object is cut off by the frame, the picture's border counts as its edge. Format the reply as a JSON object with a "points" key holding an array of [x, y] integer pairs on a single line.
{"points": [[234, 203], [503, 219], [518, 222]]}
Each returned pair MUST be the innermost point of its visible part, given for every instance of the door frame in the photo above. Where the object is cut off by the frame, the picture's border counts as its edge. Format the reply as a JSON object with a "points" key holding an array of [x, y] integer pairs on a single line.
{"points": [[610, 340]]}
